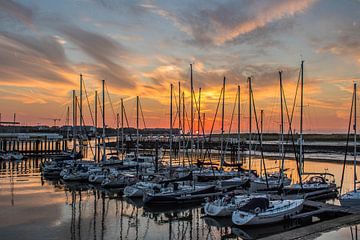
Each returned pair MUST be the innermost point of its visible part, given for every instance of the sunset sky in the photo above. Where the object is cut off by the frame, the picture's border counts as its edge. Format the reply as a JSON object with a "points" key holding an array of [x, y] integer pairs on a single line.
{"points": [[140, 47]]}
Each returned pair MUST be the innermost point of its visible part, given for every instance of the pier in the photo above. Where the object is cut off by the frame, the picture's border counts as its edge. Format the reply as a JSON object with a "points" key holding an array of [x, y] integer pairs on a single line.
{"points": [[33, 144], [336, 217]]}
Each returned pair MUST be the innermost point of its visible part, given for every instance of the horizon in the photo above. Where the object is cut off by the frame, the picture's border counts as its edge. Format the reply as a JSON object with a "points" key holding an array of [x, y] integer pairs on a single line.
{"points": [[141, 47]]}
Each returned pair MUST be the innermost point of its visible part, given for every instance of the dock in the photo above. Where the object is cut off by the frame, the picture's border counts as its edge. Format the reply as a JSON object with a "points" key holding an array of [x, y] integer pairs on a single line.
{"points": [[33, 144], [338, 217]]}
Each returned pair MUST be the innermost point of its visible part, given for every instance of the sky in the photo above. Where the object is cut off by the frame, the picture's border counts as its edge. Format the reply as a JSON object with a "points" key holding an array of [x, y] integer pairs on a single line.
{"points": [[141, 47]]}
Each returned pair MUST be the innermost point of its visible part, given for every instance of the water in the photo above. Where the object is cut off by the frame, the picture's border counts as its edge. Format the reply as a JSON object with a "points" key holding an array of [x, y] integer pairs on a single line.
{"points": [[34, 208], [351, 232]]}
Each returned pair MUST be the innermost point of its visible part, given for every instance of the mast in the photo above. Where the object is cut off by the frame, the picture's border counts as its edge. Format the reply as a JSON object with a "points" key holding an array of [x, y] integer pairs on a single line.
{"points": [[203, 130], [261, 136], [137, 131], [179, 114], [81, 116], [355, 137], [191, 112], [222, 124], [74, 122], [171, 126], [103, 117], [96, 125], [183, 127], [199, 121], [67, 121], [301, 119], [122, 129], [250, 123], [238, 124], [117, 133], [96, 110], [281, 127]]}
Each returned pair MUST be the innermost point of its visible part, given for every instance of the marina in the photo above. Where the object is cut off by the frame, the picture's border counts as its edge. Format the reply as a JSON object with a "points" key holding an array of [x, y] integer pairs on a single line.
{"points": [[232, 184], [199, 120]]}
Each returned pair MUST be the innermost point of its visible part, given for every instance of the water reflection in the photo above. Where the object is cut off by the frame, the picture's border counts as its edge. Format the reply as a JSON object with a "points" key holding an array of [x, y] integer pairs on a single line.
{"points": [[35, 208]]}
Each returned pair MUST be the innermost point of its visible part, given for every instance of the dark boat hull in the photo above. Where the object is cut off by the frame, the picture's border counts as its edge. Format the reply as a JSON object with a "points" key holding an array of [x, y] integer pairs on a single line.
{"points": [[191, 197]]}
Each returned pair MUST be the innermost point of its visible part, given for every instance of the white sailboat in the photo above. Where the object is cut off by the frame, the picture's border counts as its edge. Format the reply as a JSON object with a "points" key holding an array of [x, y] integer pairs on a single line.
{"points": [[352, 198], [263, 211], [139, 189], [225, 206]]}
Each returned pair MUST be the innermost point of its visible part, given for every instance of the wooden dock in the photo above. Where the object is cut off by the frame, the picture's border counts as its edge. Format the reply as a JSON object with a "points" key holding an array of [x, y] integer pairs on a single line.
{"points": [[33, 144], [340, 217]]}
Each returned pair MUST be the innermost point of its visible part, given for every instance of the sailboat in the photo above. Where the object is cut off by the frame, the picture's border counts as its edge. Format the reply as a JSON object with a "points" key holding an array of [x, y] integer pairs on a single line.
{"points": [[226, 205], [261, 210], [279, 179], [318, 184], [352, 198]]}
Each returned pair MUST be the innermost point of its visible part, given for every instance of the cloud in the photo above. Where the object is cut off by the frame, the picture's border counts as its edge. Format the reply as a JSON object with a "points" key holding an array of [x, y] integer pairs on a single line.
{"points": [[19, 11], [104, 51], [39, 58], [226, 22], [347, 42], [34, 69]]}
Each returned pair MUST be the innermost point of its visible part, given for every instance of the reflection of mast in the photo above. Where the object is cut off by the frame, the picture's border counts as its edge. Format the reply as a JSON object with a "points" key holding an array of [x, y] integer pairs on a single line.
{"points": [[121, 220], [79, 217], [12, 184], [170, 228], [95, 214], [73, 214], [103, 216], [137, 224], [354, 233]]}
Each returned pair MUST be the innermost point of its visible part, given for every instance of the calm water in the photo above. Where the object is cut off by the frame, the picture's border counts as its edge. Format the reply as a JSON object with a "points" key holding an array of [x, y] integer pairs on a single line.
{"points": [[34, 208]]}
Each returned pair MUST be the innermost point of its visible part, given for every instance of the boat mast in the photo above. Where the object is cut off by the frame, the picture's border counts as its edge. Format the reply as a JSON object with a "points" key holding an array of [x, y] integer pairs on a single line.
{"points": [[81, 118], [281, 127], [301, 119], [238, 124], [355, 137], [103, 117], [117, 133], [191, 113], [137, 132], [171, 126], [67, 122], [183, 127], [96, 125], [179, 114], [250, 123], [74, 123], [96, 109], [261, 137], [222, 124], [199, 123], [122, 129]]}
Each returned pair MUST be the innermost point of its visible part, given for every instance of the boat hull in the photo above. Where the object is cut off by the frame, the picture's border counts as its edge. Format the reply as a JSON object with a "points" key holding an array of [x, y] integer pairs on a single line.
{"points": [[219, 211], [247, 219], [350, 199], [181, 197]]}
